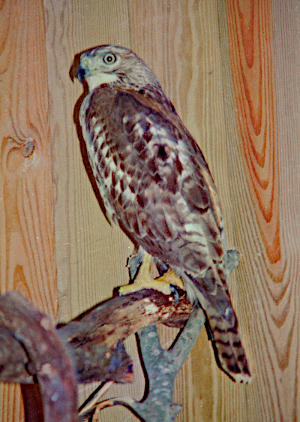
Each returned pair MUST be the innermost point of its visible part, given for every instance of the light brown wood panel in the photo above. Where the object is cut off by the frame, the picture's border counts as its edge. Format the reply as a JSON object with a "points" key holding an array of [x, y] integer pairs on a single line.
{"points": [[27, 256], [265, 152], [286, 315], [91, 254]]}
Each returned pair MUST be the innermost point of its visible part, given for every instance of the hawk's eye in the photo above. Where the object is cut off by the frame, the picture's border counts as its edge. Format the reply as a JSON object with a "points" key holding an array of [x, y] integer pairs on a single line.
{"points": [[109, 58]]}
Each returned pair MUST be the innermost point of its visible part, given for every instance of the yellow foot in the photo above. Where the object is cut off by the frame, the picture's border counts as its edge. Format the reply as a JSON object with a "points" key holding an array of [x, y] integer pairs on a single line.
{"points": [[170, 277], [144, 280]]}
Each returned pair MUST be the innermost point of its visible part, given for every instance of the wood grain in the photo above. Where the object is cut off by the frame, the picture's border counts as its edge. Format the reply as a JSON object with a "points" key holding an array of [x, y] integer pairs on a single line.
{"points": [[286, 18], [91, 255], [27, 258], [88, 249], [250, 41], [266, 153]]}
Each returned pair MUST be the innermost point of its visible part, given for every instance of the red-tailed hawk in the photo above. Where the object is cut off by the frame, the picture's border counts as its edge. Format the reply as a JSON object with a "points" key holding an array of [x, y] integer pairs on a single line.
{"points": [[156, 185]]}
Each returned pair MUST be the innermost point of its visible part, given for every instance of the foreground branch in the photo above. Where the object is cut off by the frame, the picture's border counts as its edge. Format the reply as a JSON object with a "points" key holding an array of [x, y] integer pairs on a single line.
{"points": [[89, 338], [122, 316], [85, 350], [30, 342]]}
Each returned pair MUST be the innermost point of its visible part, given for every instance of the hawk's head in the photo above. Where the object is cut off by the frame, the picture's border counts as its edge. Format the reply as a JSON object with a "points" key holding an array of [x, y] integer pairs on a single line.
{"points": [[111, 64]]}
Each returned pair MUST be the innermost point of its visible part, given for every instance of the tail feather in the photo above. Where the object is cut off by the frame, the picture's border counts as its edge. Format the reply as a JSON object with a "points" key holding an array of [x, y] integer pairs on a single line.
{"points": [[212, 293], [228, 347]]}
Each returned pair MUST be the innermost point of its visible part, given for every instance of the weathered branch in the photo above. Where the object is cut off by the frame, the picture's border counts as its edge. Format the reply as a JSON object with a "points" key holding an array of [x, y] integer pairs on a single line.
{"points": [[84, 350], [91, 340], [122, 316], [37, 346]]}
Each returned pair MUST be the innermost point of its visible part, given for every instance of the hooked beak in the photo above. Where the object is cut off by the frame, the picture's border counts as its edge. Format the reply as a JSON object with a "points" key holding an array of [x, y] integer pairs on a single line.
{"points": [[76, 70]]}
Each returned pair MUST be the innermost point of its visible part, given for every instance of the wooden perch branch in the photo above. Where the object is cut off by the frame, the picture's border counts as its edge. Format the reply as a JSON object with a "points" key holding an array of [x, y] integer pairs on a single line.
{"points": [[84, 350], [122, 316], [37, 346]]}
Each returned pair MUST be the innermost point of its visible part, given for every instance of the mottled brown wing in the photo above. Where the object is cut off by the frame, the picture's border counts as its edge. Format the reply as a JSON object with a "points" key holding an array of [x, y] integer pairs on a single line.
{"points": [[172, 175], [162, 105], [174, 171]]}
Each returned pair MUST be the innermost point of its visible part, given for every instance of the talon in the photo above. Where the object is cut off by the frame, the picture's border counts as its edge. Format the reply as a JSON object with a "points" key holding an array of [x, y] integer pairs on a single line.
{"points": [[170, 277], [144, 280]]}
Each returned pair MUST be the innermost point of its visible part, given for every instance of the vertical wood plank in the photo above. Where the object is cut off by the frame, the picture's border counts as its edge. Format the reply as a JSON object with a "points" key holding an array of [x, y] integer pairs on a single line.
{"points": [[250, 38], [232, 399], [27, 257], [270, 270], [286, 47], [91, 254], [85, 243]]}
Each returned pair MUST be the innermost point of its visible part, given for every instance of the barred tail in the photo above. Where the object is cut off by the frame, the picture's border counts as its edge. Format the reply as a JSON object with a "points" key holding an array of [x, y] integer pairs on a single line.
{"points": [[228, 347], [214, 298]]}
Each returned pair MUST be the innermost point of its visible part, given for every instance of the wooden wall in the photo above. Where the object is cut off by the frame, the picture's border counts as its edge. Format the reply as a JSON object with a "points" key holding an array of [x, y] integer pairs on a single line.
{"points": [[232, 69]]}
